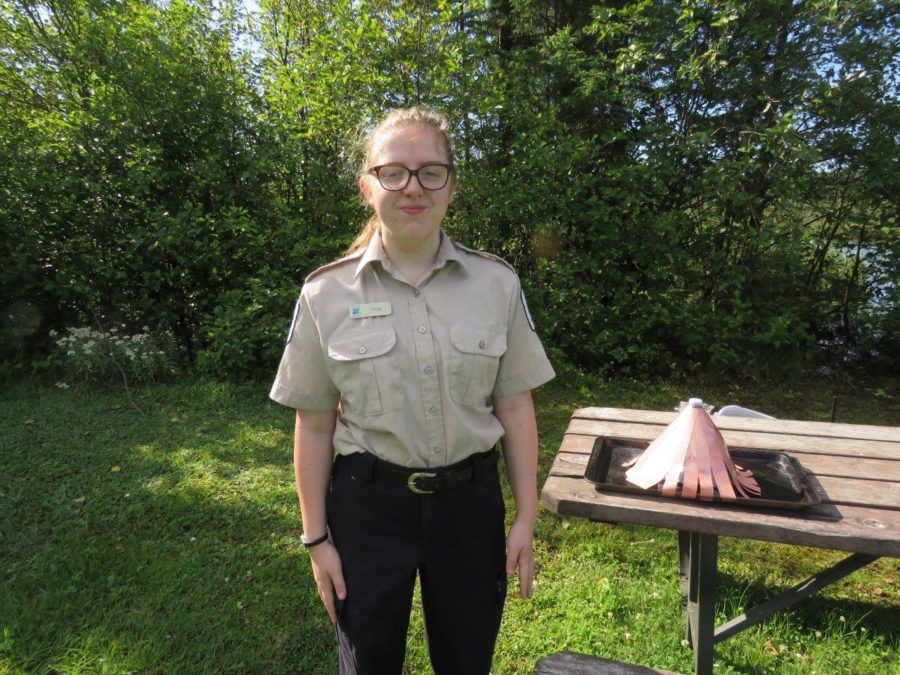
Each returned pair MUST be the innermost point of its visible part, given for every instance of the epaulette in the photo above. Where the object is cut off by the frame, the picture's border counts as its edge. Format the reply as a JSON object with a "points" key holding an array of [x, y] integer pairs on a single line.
{"points": [[335, 263], [483, 254]]}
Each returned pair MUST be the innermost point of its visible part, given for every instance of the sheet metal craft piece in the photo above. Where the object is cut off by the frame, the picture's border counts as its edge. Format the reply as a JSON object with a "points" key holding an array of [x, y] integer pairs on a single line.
{"points": [[690, 459]]}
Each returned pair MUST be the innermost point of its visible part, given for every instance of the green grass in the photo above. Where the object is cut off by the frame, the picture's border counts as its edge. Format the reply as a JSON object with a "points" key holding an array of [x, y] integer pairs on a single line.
{"points": [[170, 544]]}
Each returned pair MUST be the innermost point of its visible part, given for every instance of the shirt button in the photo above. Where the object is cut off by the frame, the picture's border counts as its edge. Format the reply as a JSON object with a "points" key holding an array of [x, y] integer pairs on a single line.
{"points": [[429, 370], [433, 410], [416, 292], [436, 451], [362, 350], [481, 345], [422, 329]]}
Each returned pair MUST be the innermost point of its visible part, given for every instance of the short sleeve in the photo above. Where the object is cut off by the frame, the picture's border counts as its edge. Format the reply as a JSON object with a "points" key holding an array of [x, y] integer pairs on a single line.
{"points": [[525, 365], [303, 381]]}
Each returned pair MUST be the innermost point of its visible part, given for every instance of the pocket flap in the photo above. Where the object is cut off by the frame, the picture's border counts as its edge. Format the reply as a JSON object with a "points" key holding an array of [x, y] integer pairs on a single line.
{"points": [[356, 346], [475, 340]]}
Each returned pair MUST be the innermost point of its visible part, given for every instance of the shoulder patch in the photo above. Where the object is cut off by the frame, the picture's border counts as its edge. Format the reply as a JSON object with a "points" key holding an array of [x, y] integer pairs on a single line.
{"points": [[293, 323], [527, 312], [483, 254], [335, 263]]}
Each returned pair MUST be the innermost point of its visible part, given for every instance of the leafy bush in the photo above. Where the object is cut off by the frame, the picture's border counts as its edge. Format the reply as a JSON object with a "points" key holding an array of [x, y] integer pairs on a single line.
{"points": [[245, 333], [681, 186]]}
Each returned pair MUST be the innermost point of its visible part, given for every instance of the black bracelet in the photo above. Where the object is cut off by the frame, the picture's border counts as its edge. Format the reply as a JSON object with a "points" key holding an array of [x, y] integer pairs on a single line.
{"points": [[314, 542]]}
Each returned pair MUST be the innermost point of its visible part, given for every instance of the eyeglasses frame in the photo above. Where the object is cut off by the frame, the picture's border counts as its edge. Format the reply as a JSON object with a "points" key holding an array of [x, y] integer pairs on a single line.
{"points": [[412, 172]]}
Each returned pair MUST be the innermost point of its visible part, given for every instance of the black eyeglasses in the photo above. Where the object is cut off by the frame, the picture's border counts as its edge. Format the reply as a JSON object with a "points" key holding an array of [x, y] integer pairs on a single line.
{"points": [[395, 177]]}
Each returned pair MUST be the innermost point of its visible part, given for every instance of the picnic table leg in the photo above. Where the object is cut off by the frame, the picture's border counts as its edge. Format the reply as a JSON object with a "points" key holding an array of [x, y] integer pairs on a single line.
{"points": [[702, 560], [684, 575]]}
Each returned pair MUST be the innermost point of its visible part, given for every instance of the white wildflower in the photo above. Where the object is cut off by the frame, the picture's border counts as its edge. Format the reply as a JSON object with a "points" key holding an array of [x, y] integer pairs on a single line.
{"points": [[62, 385]]}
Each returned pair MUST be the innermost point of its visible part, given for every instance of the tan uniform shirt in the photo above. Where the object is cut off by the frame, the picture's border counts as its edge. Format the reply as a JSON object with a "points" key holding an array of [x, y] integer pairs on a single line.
{"points": [[414, 368]]}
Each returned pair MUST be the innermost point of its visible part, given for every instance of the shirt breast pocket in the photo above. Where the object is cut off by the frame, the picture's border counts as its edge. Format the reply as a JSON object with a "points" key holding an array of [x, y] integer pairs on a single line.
{"points": [[474, 361], [364, 370]]}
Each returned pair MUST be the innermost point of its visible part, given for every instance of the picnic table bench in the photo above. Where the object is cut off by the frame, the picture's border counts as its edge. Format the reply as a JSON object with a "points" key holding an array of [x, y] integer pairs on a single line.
{"points": [[854, 469]]}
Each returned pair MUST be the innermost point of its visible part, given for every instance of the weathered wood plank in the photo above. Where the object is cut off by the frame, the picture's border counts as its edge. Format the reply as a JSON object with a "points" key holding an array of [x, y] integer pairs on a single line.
{"points": [[570, 663], [841, 527], [625, 415], [569, 464], [793, 427], [820, 465], [744, 439], [842, 490], [578, 443], [635, 430]]}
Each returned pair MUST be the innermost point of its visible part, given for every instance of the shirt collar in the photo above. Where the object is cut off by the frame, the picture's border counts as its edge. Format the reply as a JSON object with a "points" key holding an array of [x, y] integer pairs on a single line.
{"points": [[447, 251], [374, 251]]}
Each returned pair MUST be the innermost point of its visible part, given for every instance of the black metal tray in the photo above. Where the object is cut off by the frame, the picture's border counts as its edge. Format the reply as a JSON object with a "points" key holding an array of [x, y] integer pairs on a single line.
{"points": [[783, 482]]}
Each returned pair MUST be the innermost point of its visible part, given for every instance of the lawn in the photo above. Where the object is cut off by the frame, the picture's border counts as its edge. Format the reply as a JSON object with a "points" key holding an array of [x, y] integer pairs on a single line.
{"points": [[168, 542]]}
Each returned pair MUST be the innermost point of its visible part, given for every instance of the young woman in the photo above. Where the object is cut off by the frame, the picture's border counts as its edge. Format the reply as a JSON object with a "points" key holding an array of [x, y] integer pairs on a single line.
{"points": [[410, 358]]}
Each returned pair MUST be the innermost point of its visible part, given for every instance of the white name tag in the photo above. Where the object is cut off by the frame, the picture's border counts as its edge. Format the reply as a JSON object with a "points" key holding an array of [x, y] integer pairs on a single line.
{"points": [[370, 309]]}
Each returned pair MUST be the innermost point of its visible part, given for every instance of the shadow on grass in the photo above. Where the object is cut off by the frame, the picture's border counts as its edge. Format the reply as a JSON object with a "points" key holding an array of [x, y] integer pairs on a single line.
{"points": [[818, 612], [186, 558], [159, 544]]}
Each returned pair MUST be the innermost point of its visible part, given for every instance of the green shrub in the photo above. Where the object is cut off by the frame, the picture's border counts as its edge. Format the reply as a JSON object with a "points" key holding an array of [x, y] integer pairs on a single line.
{"points": [[245, 333]]}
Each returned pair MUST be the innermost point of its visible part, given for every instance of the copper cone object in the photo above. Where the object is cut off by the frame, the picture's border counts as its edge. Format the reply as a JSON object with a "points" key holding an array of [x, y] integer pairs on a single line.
{"points": [[689, 459]]}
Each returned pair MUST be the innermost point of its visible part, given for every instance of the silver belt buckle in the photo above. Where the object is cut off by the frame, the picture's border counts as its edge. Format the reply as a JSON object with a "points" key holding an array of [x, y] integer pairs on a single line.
{"points": [[413, 477]]}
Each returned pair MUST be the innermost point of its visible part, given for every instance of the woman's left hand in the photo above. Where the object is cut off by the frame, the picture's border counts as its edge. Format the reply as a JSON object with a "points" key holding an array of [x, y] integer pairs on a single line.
{"points": [[520, 553]]}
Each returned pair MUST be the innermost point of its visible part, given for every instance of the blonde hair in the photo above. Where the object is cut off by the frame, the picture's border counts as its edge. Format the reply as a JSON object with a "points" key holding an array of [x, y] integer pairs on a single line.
{"points": [[397, 119]]}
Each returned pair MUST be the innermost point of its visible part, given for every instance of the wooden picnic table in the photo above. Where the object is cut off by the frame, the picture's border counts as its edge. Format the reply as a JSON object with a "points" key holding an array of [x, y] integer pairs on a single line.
{"points": [[854, 469]]}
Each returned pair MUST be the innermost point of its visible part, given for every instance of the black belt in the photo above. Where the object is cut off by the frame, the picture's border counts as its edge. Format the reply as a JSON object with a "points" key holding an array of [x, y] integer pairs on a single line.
{"points": [[428, 481]]}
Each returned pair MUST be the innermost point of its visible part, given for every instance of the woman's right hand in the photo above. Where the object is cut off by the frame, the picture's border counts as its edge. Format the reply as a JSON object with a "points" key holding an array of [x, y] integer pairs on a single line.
{"points": [[329, 575]]}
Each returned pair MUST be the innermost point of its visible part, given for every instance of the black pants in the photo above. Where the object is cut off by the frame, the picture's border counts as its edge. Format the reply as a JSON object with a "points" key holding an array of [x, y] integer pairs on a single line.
{"points": [[454, 539]]}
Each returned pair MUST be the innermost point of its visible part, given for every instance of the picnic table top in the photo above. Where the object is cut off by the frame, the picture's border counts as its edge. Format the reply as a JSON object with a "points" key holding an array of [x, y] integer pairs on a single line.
{"points": [[854, 469]]}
